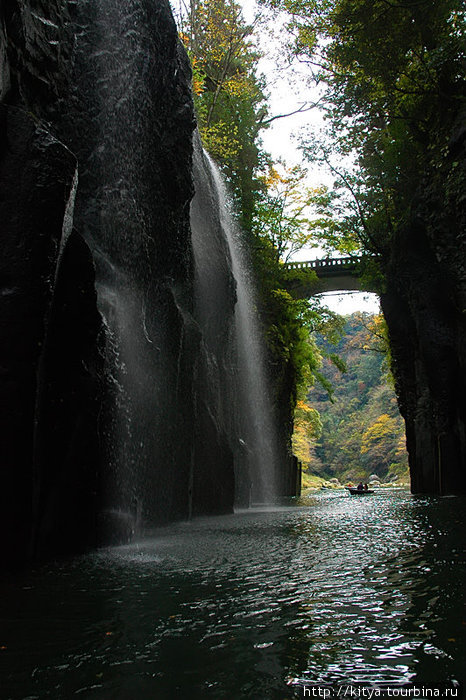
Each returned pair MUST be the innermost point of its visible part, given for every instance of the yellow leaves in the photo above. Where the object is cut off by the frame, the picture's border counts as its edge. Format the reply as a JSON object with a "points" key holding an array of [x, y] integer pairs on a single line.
{"points": [[198, 81], [286, 212], [220, 33], [307, 420], [307, 427], [381, 430], [300, 445], [198, 85], [400, 452], [184, 39], [221, 140], [374, 334], [239, 85], [226, 90], [274, 178], [287, 180]]}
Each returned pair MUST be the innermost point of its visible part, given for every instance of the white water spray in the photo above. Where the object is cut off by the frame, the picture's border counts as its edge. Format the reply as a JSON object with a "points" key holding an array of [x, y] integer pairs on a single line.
{"points": [[252, 392]]}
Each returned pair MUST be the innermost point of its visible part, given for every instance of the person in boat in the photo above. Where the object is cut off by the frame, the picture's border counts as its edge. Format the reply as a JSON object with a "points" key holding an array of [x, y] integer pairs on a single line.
{"points": [[360, 486], [366, 487]]}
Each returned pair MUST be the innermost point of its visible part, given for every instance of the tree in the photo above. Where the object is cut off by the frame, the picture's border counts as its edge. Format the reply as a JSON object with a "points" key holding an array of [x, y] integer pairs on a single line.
{"points": [[394, 76], [284, 211], [272, 206], [379, 444], [307, 427], [229, 98], [348, 447]]}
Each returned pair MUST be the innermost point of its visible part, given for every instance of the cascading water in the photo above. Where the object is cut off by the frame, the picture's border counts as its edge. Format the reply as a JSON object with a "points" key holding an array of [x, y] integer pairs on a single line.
{"points": [[185, 386], [131, 208], [246, 390], [182, 400], [121, 244]]}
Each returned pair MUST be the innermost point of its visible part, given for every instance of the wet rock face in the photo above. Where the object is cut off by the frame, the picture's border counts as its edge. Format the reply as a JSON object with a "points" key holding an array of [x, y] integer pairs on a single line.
{"points": [[36, 52], [96, 312], [48, 329], [129, 119], [425, 308]]}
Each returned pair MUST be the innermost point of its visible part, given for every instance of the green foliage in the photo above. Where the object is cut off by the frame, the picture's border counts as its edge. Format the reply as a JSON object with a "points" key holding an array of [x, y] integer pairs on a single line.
{"points": [[395, 90], [310, 481], [379, 442], [393, 72], [307, 426], [228, 95], [362, 431], [278, 214], [283, 213]]}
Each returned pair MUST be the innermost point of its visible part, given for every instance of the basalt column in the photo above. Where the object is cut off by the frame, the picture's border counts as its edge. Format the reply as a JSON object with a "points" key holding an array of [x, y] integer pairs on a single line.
{"points": [[425, 308], [101, 381]]}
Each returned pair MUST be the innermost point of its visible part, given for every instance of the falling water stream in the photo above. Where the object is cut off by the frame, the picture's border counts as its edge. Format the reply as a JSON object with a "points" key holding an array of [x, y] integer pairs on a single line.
{"points": [[259, 604], [122, 201], [115, 214], [250, 396], [254, 383]]}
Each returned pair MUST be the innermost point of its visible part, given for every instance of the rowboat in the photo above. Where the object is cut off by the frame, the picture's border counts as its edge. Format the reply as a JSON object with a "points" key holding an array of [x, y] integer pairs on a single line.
{"points": [[359, 492]]}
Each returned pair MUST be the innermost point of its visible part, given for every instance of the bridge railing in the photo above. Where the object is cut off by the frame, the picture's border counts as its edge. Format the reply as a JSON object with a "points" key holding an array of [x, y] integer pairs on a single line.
{"points": [[325, 264]]}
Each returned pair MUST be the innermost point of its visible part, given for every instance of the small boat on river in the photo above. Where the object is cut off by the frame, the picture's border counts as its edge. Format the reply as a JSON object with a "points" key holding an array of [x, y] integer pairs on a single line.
{"points": [[359, 492]]}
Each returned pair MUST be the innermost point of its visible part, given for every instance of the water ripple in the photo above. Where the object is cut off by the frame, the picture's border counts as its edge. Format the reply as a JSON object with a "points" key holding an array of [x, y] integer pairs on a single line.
{"points": [[327, 591]]}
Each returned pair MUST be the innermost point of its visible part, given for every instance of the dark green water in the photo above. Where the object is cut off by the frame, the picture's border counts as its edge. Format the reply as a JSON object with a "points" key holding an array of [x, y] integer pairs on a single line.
{"points": [[333, 589]]}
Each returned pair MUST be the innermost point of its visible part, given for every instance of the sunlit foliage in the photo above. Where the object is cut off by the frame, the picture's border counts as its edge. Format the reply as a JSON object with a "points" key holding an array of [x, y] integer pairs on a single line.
{"points": [[229, 98], [394, 77], [272, 201], [362, 430]]}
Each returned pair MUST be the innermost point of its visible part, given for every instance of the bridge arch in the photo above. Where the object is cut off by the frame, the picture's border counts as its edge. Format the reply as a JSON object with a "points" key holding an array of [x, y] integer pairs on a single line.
{"points": [[330, 275]]}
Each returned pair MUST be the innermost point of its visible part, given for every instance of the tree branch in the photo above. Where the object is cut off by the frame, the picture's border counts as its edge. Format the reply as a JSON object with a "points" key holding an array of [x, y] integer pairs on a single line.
{"points": [[301, 109]]}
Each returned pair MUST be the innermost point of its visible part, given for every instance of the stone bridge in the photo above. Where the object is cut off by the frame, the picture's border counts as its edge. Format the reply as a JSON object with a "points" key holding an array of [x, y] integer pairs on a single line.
{"points": [[333, 275]]}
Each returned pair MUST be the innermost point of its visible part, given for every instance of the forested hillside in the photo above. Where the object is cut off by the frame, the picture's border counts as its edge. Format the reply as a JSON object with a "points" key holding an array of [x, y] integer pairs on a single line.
{"points": [[362, 432]]}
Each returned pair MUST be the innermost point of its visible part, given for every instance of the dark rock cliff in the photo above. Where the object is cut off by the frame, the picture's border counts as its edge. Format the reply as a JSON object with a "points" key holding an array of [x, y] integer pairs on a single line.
{"points": [[41, 356], [425, 309], [103, 417]]}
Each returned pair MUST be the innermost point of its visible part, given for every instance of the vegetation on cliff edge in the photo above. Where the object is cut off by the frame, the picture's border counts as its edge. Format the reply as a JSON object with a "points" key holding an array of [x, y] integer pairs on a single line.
{"points": [[393, 91], [271, 200]]}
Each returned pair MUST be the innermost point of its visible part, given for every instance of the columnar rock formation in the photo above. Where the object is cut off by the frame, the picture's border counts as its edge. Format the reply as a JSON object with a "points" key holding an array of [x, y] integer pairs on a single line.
{"points": [[103, 419], [425, 308]]}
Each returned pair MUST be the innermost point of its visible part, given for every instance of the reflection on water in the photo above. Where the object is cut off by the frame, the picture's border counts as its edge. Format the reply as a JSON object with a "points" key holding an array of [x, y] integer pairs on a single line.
{"points": [[330, 589]]}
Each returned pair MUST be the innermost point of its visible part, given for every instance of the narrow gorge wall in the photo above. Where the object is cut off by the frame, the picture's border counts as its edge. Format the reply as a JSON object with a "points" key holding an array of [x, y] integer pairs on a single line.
{"points": [[107, 418], [425, 309]]}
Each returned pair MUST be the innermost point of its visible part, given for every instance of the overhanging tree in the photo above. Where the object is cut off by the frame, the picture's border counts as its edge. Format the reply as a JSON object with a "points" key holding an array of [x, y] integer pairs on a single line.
{"points": [[394, 76]]}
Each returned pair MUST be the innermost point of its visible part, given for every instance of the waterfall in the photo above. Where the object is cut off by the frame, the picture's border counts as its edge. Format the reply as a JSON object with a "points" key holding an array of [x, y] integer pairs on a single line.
{"points": [[132, 104], [185, 395], [246, 390], [148, 400]]}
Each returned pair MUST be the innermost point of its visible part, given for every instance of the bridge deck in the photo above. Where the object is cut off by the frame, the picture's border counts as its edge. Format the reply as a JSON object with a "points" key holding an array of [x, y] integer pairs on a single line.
{"points": [[327, 266], [333, 274]]}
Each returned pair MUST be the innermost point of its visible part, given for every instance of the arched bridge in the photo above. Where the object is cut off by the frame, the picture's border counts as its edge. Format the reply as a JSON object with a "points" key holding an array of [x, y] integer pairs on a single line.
{"points": [[333, 275]]}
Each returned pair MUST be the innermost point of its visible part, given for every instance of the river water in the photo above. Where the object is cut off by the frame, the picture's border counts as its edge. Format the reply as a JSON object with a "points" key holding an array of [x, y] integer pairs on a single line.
{"points": [[329, 589]]}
